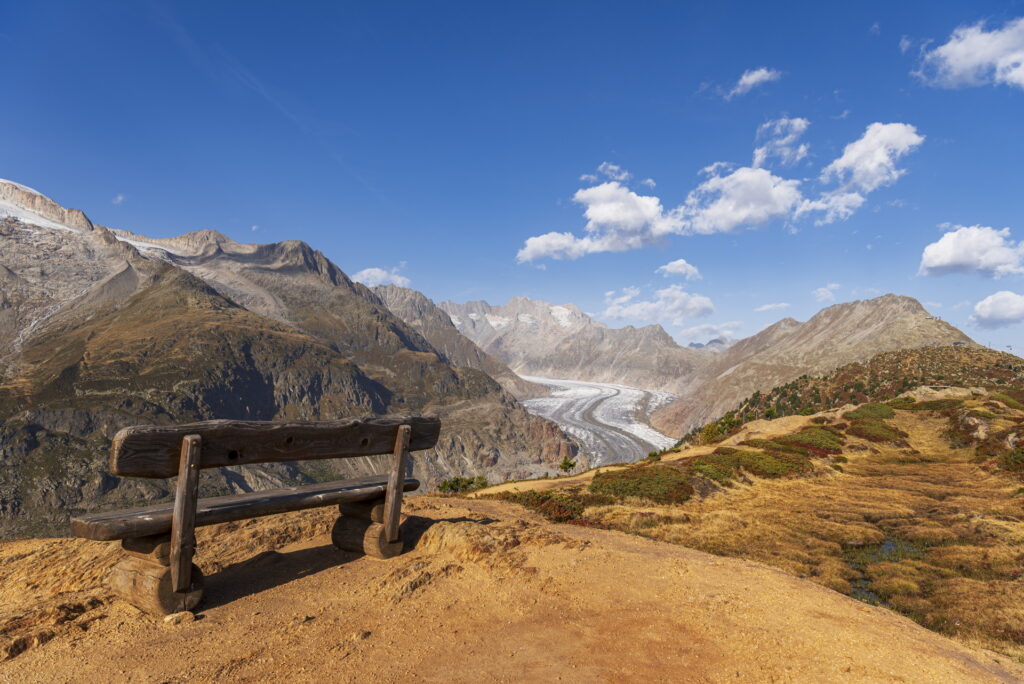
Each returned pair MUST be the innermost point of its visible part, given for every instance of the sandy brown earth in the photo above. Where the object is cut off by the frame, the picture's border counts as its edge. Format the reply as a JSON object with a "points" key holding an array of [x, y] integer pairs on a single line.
{"points": [[486, 591]]}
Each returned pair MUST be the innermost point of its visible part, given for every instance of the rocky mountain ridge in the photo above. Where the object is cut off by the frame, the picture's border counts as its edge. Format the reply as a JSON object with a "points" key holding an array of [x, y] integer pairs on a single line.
{"points": [[560, 341], [103, 329]]}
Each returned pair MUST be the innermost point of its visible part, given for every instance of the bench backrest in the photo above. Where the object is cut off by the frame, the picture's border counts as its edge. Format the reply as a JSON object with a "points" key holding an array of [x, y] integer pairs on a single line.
{"points": [[155, 450]]}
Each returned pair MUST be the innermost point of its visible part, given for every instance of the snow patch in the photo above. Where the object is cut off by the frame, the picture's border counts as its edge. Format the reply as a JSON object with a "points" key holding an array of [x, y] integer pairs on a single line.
{"points": [[526, 318], [497, 321], [10, 210], [562, 316], [474, 317], [455, 319]]}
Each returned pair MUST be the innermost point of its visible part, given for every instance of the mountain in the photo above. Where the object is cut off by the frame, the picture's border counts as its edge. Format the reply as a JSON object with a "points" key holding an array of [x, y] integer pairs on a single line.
{"points": [[437, 328], [100, 329], [835, 336], [547, 340]]}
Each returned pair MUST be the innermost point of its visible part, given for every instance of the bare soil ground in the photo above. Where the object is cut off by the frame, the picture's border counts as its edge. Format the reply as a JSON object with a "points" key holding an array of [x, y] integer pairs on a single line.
{"points": [[486, 591]]}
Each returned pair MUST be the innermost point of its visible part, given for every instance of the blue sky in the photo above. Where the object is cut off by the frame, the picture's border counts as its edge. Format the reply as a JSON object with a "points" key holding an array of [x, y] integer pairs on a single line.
{"points": [[433, 140]]}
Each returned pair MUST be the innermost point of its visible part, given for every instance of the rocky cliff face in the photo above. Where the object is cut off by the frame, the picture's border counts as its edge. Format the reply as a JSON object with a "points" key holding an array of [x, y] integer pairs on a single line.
{"points": [[437, 328], [542, 339], [102, 329], [835, 336]]}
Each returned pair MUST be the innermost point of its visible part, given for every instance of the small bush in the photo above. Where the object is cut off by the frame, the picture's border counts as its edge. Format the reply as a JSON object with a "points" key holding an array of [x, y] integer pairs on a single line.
{"points": [[1014, 461], [822, 438], [771, 445], [462, 485], [657, 483], [978, 413], [874, 431], [553, 505], [875, 411], [933, 405], [724, 464]]}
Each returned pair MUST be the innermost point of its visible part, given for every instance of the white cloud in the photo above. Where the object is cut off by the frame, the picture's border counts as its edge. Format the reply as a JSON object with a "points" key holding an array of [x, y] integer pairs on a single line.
{"points": [[999, 310], [870, 161], [876, 29], [588, 178], [614, 172], [752, 78], [378, 276], [619, 218], [118, 199], [649, 182], [974, 249], [671, 305], [973, 56], [826, 294], [837, 205], [777, 306], [905, 44], [747, 196], [679, 267], [780, 140], [710, 331], [254, 228]]}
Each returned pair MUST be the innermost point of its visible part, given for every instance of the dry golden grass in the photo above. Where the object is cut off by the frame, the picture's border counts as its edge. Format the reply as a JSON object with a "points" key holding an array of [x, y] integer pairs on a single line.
{"points": [[920, 528]]}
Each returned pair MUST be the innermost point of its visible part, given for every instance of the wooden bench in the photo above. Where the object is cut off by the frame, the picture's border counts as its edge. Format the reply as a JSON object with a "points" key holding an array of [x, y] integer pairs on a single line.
{"points": [[157, 574]]}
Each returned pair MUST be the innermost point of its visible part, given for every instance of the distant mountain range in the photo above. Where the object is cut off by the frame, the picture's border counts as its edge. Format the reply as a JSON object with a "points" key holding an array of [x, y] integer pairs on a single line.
{"points": [[543, 339], [103, 328]]}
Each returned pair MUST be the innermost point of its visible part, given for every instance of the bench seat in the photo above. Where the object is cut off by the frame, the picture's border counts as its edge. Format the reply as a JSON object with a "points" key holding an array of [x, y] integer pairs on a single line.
{"points": [[151, 520]]}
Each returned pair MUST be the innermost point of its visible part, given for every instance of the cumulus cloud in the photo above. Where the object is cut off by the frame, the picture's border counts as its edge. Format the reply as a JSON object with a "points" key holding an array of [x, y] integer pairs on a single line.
{"points": [[649, 182], [751, 79], [999, 310], [671, 305], [710, 331], [679, 267], [827, 293], [905, 44], [378, 276], [730, 197], [974, 249], [118, 199], [870, 161], [973, 56], [777, 306], [745, 197], [781, 138]]}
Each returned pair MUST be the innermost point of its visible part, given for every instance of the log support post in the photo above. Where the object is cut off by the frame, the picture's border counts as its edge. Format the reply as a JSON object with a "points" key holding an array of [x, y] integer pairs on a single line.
{"points": [[183, 522], [393, 499]]}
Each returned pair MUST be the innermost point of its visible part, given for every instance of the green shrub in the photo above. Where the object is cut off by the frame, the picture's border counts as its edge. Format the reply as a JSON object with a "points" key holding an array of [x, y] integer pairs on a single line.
{"points": [[657, 483], [875, 411], [566, 465], [1014, 461], [771, 445], [933, 405], [724, 464], [874, 431], [978, 413], [462, 485], [554, 505], [823, 438]]}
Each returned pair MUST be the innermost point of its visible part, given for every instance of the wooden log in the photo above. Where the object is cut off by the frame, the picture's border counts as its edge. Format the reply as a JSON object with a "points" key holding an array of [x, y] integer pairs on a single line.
{"points": [[183, 520], [147, 586], [393, 502], [141, 522], [367, 510], [363, 536], [155, 548], [153, 450]]}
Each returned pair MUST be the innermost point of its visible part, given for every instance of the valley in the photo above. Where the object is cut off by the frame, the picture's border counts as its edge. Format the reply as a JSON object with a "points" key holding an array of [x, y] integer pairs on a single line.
{"points": [[611, 421]]}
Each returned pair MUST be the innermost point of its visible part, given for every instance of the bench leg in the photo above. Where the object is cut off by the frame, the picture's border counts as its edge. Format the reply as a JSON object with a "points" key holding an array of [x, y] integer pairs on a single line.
{"points": [[146, 584], [361, 529]]}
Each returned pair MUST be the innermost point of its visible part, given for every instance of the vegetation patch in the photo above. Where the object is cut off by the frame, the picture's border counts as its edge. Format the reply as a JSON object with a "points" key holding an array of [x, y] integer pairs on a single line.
{"points": [[656, 483], [462, 485], [824, 439], [1008, 400], [874, 430], [870, 412], [724, 465], [554, 505], [933, 405]]}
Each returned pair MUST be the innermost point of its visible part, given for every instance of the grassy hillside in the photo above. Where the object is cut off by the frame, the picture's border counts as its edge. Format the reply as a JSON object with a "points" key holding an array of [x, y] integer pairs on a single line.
{"points": [[882, 378], [916, 504]]}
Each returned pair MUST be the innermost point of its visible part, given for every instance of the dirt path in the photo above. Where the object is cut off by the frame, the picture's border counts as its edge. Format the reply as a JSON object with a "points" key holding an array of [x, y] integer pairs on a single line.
{"points": [[487, 593]]}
